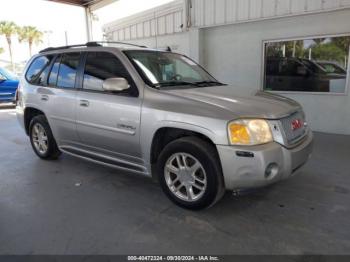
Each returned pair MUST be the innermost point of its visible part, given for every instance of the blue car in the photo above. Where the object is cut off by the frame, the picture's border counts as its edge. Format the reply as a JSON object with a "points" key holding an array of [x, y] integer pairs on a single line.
{"points": [[8, 86]]}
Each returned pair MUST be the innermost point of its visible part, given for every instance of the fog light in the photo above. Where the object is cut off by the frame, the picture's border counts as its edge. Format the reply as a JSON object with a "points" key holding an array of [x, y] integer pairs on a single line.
{"points": [[271, 170]]}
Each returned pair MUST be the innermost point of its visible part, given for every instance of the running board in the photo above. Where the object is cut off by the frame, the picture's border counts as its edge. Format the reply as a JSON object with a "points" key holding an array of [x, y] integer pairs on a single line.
{"points": [[106, 161]]}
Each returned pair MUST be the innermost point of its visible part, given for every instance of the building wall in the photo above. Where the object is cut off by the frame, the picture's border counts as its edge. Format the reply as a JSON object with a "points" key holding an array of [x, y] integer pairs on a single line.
{"points": [[234, 54], [178, 43], [167, 19], [217, 12]]}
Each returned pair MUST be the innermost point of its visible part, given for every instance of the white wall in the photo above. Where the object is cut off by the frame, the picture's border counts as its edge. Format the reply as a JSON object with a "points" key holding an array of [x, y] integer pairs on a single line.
{"points": [[217, 12], [233, 53], [163, 20], [178, 43]]}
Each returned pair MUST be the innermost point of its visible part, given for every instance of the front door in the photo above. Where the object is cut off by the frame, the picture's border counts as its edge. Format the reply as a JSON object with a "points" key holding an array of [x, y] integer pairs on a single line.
{"points": [[108, 123]]}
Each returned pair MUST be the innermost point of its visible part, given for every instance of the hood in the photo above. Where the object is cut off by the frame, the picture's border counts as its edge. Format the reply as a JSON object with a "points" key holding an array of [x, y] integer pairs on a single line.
{"points": [[259, 105]]}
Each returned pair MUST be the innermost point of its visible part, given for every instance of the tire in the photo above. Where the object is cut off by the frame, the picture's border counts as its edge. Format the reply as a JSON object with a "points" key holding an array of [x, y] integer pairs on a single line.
{"points": [[204, 178], [39, 125]]}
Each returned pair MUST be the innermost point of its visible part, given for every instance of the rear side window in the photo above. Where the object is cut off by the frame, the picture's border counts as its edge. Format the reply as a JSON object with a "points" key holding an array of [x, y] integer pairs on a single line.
{"points": [[68, 70], [100, 66], [38, 70], [54, 71]]}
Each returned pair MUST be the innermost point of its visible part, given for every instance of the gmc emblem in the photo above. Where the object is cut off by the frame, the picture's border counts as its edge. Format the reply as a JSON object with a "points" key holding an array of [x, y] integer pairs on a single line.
{"points": [[296, 124]]}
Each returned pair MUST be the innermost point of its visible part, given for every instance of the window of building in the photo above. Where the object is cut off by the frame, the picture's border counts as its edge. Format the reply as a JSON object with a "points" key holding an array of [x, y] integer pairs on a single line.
{"points": [[307, 65], [38, 70], [68, 70]]}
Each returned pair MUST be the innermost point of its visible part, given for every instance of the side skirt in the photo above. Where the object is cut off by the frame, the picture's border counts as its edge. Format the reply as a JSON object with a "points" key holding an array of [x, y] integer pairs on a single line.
{"points": [[105, 160]]}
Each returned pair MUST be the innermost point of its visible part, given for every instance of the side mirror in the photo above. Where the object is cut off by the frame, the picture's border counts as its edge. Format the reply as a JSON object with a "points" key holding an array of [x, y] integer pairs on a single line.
{"points": [[116, 84]]}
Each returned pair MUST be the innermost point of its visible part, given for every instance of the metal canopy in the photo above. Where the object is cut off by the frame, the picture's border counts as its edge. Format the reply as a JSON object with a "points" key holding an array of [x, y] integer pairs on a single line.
{"points": [[84, 3], [92, 4]]}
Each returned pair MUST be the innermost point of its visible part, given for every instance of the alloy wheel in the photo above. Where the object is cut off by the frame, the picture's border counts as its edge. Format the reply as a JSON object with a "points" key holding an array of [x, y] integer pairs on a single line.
{"points": [[185, 177], [40, 139]]}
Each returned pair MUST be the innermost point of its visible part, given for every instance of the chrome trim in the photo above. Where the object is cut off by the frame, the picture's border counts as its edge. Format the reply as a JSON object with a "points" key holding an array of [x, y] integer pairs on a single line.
{"points": [[113, 129]]}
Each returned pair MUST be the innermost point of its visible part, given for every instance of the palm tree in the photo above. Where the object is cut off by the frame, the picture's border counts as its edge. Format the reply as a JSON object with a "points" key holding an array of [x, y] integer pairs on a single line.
{"points": [[31, 35], [8, 29]]}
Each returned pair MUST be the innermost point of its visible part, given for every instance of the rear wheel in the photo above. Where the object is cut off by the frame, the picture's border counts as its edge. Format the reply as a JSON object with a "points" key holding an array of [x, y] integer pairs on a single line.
{"points": [[190, 174], [41, 138]]}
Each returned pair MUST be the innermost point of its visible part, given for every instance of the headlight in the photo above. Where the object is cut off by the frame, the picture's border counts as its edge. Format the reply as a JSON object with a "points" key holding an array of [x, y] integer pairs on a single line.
{"points": [[249, 132]]}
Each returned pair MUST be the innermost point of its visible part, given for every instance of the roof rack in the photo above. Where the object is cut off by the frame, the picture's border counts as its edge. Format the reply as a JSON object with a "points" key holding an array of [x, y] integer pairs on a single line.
{"points": [[114, 42], [88, 44]]}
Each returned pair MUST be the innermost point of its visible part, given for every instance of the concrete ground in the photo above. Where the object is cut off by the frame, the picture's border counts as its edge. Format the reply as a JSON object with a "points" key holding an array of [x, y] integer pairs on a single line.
{"points": [[71, 206]]}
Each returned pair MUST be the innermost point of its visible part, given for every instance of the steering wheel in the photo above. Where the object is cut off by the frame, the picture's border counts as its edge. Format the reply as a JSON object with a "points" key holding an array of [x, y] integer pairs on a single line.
{"points": [[176, 77]]}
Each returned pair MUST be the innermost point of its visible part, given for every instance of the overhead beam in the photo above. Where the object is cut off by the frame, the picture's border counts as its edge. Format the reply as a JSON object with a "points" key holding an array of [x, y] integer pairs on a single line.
{"points": [[92, 4], [100, 4]]}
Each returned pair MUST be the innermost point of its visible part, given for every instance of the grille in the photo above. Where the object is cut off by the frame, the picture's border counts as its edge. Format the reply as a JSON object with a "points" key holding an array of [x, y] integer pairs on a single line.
{"points": [[291, 135]]}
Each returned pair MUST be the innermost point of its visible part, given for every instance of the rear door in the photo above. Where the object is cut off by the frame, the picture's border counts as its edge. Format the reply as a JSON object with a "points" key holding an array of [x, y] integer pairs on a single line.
{"points": [[58, 97], [108, 123]]}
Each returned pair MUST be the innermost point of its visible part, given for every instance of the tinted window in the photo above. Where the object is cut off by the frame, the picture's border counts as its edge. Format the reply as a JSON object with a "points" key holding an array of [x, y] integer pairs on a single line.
{"points": [[68, 70], [54, 71], [309, 65], [38, 70], [102, 65]]}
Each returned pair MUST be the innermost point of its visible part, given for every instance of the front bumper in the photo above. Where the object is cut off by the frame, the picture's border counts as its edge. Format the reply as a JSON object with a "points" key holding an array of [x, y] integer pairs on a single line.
{"points": [[243, 172]]}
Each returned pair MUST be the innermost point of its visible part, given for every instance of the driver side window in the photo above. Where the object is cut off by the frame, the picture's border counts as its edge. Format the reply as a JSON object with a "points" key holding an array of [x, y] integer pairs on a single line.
{"points": [[100, 66]]}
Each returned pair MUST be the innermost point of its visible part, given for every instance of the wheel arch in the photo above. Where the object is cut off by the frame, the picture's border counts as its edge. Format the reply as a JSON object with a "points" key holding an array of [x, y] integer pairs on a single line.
{"points": [[165, 135], [29, 113], [169, 132]]}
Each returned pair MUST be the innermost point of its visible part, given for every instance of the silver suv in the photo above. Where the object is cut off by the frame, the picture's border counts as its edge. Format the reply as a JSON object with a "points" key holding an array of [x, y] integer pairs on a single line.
{"points": [[159, 114]]}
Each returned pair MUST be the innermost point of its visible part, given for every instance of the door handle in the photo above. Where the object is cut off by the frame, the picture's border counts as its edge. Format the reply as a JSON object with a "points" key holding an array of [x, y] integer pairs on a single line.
{"points": [[84, 103], [44, 97]]}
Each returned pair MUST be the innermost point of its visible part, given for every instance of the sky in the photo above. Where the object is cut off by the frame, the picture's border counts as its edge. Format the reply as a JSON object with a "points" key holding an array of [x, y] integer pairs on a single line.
{"points": [[46, 16], [60, 20]]}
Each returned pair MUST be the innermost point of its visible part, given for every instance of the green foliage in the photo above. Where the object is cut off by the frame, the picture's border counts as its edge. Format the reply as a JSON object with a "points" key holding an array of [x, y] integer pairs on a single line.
{"points": [[29, 34], [328, 52], [334, 49], [292, 49], [8, 28], [1, 50]]}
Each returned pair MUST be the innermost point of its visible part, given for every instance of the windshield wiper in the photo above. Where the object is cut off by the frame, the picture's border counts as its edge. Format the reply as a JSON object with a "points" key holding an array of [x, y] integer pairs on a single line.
{"points": [[182, 83], [208, 82], [174, 83]]}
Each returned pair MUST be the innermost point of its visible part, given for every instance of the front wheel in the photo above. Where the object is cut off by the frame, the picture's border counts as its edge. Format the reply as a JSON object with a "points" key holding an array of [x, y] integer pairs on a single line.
{"points": [[190, 173]]}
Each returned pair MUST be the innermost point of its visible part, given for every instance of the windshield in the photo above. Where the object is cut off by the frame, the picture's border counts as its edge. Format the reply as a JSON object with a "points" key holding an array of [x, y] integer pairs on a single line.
{"points": [[8, 74], [313, 66], [331, 68], [160, 69]]}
